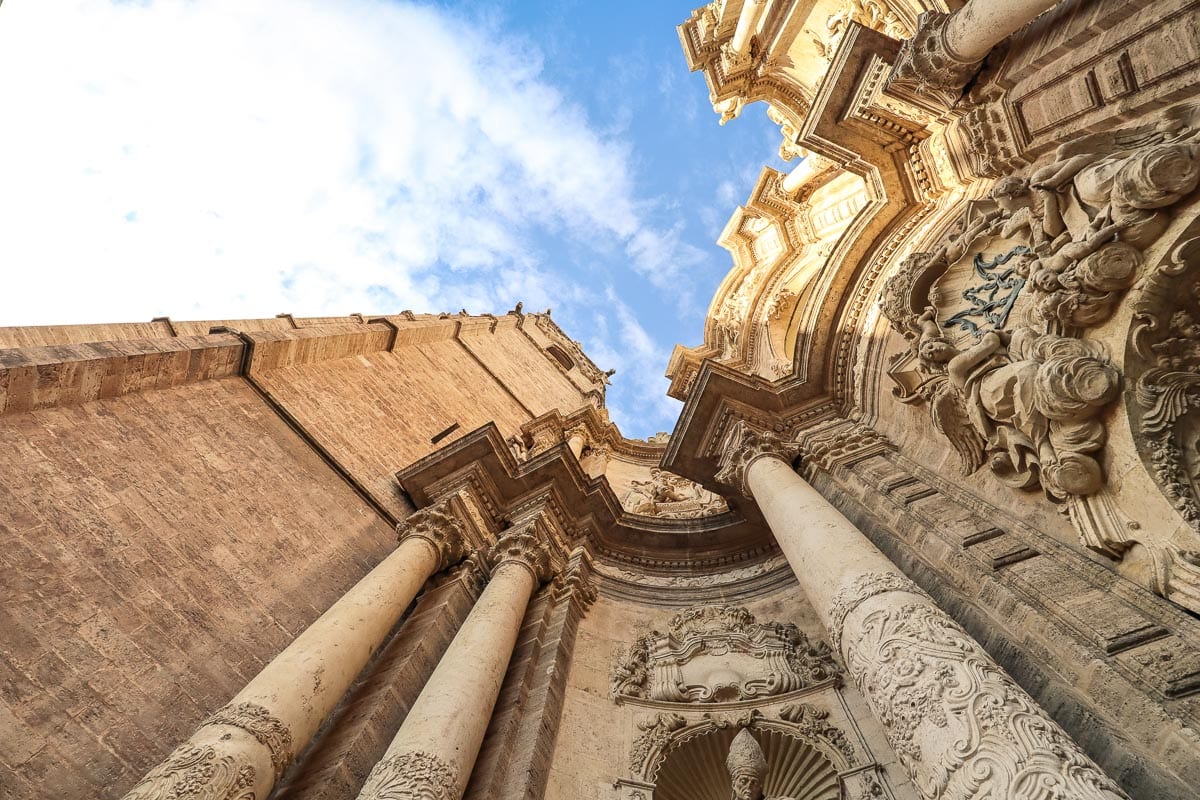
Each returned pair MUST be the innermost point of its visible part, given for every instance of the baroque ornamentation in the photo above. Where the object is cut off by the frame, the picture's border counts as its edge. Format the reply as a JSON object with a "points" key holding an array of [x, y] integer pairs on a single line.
{"points": [[926, 67], [864, 586], [743, 445], [439, 526], [656, 732], [412, 776], [523, 548], [1027, 399], [194, 772], [713, 654], [259, 723], [932, 687], [813, 723], [670, 496]]}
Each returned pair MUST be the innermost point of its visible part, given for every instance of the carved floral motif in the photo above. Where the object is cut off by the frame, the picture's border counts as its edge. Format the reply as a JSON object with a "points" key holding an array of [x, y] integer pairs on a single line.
{"points": [[926, 67], [670, 496], [412, 776], [523, 548], [259, 723], [196, 773], [813, 723], [690, 663], [928, 681], [656, 732]]}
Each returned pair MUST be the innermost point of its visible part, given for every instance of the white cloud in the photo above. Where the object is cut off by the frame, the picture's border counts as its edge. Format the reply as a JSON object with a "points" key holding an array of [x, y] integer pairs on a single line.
{"points": [[225, 158]]}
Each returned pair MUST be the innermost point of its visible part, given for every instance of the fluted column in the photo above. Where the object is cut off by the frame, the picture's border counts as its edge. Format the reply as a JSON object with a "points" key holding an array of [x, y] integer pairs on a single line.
{"points": [[947, 49], [432, 754], [959, 724], [245, 746]]}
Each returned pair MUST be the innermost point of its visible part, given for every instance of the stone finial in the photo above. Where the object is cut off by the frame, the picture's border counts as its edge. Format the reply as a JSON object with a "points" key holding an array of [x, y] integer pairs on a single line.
{"points": [[742, 446], [926, 66], [439, 526], [523, 548]]}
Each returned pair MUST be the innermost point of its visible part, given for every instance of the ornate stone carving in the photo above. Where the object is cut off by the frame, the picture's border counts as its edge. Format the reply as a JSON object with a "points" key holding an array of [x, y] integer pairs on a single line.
{"points": [[522, 548], [670, 496], [743, 445], [196, 773], [713, 654], [656, 732], [258, 722], [1163, 362], [813, 723], [411, 776], [872, 14], [863, 587], [1028, 399], [925, 66], [439, 526], [928, 681]]}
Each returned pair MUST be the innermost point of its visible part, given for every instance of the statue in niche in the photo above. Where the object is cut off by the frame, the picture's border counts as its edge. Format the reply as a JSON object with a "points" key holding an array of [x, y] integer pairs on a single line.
{"points": [[747, 767]]}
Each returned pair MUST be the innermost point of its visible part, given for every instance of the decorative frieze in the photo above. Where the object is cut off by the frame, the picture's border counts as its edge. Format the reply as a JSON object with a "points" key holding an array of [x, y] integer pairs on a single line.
{"points": [[669, 496]]}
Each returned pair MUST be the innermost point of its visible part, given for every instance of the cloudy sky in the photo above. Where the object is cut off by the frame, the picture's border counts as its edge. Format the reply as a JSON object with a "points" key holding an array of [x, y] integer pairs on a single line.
{"points": [[243, 158]]}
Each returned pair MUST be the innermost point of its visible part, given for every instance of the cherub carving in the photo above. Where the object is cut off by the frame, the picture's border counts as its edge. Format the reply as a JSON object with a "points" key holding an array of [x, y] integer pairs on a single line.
{"points": [[1029, 401]]}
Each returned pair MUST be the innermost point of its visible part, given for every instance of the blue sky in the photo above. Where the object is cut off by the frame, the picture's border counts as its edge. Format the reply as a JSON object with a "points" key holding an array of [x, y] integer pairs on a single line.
{"points": [[230, 159]]}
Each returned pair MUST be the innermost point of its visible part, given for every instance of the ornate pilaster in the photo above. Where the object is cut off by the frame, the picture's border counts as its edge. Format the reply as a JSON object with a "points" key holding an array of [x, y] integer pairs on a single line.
{"points": [[927, 67], [441, 528], [742, 446], [413, 775]]}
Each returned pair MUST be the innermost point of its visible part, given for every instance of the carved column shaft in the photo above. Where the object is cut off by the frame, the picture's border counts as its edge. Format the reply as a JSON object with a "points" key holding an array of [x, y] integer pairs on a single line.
{"points": [[747, 24], [434, 751], [961, 727], [576, 441], [248, 743]]}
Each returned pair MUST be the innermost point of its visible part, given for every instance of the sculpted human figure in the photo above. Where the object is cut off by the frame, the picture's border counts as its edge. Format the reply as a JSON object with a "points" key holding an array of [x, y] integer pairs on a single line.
{"points": [[1031, 397], [747, 768]]}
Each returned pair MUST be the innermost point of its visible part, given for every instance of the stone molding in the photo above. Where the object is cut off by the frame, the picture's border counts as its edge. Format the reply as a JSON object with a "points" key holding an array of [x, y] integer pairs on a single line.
{"points": [[441, 528], [742, 446], [259, 723], [411, 776], [926, 67], [525, 549]]}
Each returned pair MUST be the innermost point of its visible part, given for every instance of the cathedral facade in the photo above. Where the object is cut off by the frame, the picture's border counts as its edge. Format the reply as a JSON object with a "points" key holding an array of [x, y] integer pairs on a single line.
{"points": [[927, 528]]}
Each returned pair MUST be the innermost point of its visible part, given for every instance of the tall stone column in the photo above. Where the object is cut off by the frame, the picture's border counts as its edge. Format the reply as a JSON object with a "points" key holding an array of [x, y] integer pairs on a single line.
{"points": [[960, 725], [947, 49], [433, 753], [242, 749]]}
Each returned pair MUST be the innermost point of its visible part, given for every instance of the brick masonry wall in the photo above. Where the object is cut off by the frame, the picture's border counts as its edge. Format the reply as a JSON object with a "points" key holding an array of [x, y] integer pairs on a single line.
{"points": [[158, 549]]}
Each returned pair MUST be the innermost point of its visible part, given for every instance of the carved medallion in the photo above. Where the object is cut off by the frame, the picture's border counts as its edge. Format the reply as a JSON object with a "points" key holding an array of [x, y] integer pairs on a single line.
{"points": [[713, 654]]}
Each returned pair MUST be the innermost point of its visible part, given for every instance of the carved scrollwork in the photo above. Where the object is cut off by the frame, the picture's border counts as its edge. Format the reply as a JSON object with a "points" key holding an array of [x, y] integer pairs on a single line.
{"points": [[438, 525], [194, 772], [713, 654], [813, 723], [669, 496], [864, 586], [259, 723], [931, 685], [411, 776], [525, 549], [656, 732], [743, 445]]}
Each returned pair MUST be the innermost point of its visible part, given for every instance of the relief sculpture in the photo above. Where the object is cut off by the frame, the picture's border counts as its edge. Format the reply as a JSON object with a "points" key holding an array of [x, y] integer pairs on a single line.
{"points": [[713, 654], [669, 496], [999, 317]]}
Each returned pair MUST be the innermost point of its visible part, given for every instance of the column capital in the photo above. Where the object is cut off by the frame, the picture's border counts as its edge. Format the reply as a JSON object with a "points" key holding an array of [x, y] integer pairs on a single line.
{"points": [[743, 445], [927, 67], [441, 528], [412, 774], [523, 548]]}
